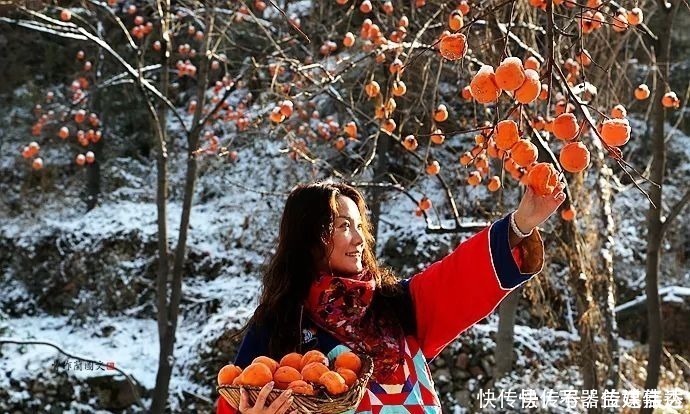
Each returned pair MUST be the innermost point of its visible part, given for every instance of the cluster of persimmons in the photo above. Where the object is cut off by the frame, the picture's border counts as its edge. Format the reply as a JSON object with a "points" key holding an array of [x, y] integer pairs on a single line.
{"points": [[304, 374]]}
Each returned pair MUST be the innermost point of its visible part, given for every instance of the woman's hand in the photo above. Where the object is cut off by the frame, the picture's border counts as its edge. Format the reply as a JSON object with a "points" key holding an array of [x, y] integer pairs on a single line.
{"points": [[279, 406], [534, 209]]}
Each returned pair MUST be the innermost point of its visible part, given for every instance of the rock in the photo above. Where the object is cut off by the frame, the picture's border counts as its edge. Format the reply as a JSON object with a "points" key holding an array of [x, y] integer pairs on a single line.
{"points": [[462, 374], [487, 367], [476, 371], [114, 393], [463, 398], [462, 361], [441, 375]]}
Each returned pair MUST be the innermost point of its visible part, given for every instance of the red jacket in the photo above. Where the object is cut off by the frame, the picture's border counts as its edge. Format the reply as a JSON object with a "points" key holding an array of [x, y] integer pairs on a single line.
{"points": [[448, 297]]}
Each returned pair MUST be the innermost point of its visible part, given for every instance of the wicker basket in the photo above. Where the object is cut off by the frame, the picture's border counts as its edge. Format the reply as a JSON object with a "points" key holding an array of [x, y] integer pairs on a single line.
{"points": [[321, 403]]}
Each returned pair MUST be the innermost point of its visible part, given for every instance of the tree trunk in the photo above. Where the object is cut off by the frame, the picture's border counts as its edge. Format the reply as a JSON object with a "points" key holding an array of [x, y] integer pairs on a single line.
{"points": [[504, 337], [580, 281], [654, 224], [606, 284], [160, 392], [93, 171], [167, 343]]}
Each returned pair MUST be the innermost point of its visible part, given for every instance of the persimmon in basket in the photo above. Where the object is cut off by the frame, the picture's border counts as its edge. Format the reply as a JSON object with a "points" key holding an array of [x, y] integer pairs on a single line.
{"points": [[228, 373], [304, 374]]}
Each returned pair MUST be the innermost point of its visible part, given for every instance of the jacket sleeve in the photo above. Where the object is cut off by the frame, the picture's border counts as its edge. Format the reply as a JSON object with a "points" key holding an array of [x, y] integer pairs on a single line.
{"points": [[466, 286], [254, 343]]}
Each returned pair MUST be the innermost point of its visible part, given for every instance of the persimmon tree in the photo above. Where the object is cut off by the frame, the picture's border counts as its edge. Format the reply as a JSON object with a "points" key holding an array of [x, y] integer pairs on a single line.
{"points": [[383, 95]]}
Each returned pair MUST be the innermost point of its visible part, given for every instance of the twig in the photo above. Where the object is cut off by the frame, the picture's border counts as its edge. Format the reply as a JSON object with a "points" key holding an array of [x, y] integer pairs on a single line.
{"points": [[70, 355]]}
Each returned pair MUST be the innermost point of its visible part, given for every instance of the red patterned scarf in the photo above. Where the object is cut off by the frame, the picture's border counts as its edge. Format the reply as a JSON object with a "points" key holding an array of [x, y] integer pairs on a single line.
{"points": [[339, 305]]}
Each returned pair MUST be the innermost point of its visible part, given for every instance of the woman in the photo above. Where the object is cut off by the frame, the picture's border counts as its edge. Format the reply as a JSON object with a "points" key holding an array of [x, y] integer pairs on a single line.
{"points": [[324, 290]]}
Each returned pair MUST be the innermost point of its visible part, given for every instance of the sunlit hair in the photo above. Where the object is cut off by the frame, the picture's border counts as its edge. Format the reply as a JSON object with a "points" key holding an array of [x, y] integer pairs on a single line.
{"points": [[306, 227]]}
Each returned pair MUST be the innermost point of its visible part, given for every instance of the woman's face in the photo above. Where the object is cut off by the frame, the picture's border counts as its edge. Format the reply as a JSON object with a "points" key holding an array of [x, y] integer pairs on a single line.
{"points": [[347, 243]]}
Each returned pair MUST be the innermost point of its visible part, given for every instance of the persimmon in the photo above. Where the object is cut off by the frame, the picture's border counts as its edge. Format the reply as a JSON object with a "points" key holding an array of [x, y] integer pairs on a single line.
{"points": [[301, 387], [399, 88], [372, 89], [466, 158], [349, 39], [619, 111], [334, 382], [479, 139], [481, 162], [285, 375], [466, 93], [276, 116], [33, 148], [350, 129], [474, 178], [90, 157], [584, 58], [396, 66], [476, 150], [635, 16], [492, 150], [80, 116], [506, 134], [453, 46], [365, 7], [483, 85], [63, 132], [619, 23], [510, 74], [433, 168], [348, 359], [286, 108], [410, 143], [615, 132], [437, 137], [565, 126], [65, 15], [531, 63], [464, 7], [80, 159], [574, 157], [271, 363], [568, 214], [37, 164], [424, 204], [642, 92], [340, 144], [441, 113], [293, 359], [348, 375], [529, 91], [228, 373], [388, 126], [255, 375], [524, 153], [313, 371], [387, 7], [544, 94], [670, 100], [313, 356], [542, 178], [455, 21], [494, 183]]}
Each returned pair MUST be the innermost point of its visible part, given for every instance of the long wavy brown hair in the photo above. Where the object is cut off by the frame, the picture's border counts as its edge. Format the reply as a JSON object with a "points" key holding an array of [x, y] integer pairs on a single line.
{"points": [[306, 227]]}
